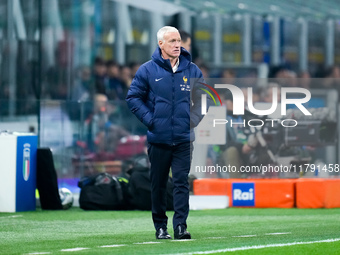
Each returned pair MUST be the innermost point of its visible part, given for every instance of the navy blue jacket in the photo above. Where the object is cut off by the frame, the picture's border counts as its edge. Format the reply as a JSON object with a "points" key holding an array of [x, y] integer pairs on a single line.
{"points": [[166, 102]]}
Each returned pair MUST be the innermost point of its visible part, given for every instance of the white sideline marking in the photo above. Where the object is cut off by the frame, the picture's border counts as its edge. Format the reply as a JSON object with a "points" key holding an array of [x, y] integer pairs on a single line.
{"points": [[283, 233], [12, 216], [182, 240], [245, 236], [148, 243], [216, 237], [75, 249], [38, 253], [259, 247], [112, 245]]}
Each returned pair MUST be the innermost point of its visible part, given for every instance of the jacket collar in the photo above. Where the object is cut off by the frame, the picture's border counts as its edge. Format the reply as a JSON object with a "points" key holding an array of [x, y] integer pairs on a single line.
{"points": [[184, 60]]}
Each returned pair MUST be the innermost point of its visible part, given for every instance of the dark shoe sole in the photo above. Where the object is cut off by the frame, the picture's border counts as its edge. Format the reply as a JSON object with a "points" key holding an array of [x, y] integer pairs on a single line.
{"points": [[185, 236], [163, 238]]}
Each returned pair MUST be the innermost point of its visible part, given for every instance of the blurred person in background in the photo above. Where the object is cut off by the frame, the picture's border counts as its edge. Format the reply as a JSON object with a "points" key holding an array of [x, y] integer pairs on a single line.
{"points": [[237, 150], [330, 78], [267, 93], [228, 74], [335, 72], [115, 88], [283, 75], [81, 94], [335, 75], [102, 135], [278, 72], [292, 79], [96, 121], [134, 67], [205, 70], [83, 87], [185, 40], [126, 76], [56, 80], [304, 79], [99, 75], [256, 96]]}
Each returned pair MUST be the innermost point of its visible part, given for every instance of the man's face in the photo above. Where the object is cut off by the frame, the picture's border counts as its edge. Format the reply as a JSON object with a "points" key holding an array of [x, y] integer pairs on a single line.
{"points": [[100, 69], [171, 46], [187, 44], [100, 103], [113, 71]]}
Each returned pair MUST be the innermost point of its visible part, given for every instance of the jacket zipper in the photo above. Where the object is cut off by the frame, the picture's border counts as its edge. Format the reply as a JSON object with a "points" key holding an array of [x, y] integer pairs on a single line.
{"points": [[172, 108]]}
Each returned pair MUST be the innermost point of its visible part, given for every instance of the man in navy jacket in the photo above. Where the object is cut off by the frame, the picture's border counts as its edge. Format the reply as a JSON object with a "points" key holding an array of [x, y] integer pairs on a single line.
{"points": [[162, 98]]}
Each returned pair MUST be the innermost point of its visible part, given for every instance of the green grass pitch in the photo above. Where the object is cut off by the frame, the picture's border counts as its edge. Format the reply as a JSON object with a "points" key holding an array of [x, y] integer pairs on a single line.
{"points": [[232, 230]]}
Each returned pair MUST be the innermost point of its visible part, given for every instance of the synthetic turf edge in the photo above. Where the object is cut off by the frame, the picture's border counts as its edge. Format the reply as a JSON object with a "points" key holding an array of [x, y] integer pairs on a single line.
{"points": [[52, 231]]}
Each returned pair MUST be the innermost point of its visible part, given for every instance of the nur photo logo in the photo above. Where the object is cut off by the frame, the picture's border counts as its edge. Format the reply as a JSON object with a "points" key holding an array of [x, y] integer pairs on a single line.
{"points": [[239, 104]]}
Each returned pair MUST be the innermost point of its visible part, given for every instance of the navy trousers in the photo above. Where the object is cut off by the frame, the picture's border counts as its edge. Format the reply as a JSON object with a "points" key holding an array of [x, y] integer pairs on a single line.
{"points": [[162, 157]]}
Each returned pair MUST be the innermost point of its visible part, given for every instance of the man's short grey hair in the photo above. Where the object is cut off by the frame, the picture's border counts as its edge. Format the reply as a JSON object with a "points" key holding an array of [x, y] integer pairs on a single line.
{"points": [[161, 32]]}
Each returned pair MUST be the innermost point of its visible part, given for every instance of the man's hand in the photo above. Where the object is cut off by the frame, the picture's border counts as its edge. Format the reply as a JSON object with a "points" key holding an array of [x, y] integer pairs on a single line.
{"points": [[252, 141]]}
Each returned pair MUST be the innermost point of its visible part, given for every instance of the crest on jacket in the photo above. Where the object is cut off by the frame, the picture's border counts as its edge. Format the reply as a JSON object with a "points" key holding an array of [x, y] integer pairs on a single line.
{"points": [[185, 86]]}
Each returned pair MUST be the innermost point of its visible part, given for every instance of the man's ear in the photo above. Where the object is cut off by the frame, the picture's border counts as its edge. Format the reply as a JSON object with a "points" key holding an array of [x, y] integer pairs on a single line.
{"points": [[160, 44]]}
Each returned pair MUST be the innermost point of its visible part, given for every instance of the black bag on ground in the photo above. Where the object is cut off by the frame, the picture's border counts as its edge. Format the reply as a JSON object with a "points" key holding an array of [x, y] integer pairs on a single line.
{"points": [[104, 192], [47, 183], [140, 189]]}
